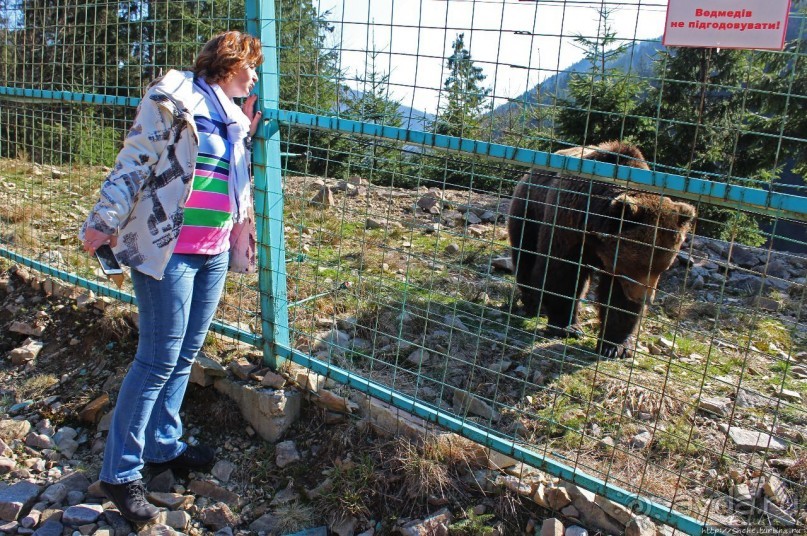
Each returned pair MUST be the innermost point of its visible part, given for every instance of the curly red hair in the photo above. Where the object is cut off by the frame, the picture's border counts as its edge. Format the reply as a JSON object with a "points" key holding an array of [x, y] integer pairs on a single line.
{"points": [[226, 53]]}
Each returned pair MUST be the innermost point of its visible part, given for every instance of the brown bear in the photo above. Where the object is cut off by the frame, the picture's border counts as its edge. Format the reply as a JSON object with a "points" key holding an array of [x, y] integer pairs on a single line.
{"points": [[564, 229]]}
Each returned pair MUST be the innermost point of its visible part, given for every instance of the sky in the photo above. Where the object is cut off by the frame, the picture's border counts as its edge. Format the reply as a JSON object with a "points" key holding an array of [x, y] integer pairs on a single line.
{"points": [[516, 43]]}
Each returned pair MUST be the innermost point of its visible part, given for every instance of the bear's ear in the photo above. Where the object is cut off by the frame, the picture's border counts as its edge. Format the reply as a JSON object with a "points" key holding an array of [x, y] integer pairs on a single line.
{"points": [[686, 213], [625, 204]]}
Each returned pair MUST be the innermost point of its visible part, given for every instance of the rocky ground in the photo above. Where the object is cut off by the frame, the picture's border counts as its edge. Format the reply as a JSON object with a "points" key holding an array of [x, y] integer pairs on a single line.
{"points": [[710, 411], [334, 472]]}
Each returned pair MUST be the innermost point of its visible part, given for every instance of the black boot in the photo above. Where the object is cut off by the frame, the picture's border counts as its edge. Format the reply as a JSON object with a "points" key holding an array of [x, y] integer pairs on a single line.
{"points": [[130, 499], [193, 457]]}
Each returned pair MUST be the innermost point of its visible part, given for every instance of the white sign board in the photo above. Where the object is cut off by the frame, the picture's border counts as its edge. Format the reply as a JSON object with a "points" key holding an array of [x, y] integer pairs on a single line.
{"points": [[726, 23]]}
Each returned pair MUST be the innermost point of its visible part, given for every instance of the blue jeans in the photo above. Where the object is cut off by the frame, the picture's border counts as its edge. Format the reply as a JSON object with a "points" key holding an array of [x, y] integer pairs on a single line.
{"points": [[174, 314]]}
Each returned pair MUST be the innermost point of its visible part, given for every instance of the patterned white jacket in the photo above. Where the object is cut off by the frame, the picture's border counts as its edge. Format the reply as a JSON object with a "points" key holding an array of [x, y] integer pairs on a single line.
{"points": [[143, 197]]}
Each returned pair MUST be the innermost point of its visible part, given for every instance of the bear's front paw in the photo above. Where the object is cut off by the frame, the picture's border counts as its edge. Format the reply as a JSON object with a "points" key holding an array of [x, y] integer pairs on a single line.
{"points": [[611, 350]]}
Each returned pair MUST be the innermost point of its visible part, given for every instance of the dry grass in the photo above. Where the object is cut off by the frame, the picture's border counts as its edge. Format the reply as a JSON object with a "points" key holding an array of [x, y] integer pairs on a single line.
{"points": [[294, 516], [114, 324], [35, 386], [640, 399], [424, 472]]}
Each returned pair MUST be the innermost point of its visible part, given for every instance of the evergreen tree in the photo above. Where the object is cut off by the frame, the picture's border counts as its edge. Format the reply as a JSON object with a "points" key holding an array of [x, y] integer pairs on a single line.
{"points": [[373, 158], [602, 103], [461, 111], [308, 82], [463, 98], [701, 117]]}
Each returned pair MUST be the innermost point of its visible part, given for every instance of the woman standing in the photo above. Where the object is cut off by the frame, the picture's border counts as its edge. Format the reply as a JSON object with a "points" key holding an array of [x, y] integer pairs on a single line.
{"points": [[177, 209]]}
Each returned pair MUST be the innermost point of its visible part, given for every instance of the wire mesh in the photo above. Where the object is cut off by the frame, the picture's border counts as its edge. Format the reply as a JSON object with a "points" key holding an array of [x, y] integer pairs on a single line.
{"points": [[400, 265]]}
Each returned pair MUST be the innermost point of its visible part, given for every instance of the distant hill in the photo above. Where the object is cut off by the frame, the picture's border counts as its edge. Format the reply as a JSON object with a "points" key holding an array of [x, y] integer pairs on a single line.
{"points": [[638, 59]]}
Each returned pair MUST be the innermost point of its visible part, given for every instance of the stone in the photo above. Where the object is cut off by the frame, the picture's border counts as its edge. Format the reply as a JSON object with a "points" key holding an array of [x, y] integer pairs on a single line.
{"points": [[17, 497], [82, 514], [286, 453], [218, 516], [75, 497], [789, 395], [575, 530], [434, 525], [65, 432], [223, 470], [714, 406], [212, 491], [32, 330], [776, 490], [33, 517], [285, 496], [345, 526], [267, 523], [472, 218], [558, 498], [552, 527], [617, 511], [419, 356], [498, 461], [777, 513], [7, 465], [429, 203], [323, 198], [452, 249], [93, 411], [13, 429], [273, 380], [162, 482], [205, 370], [515, 484], [68, 447], [540, 496], [50, 528], [119, 525], [9, 527], [505, 264], [241, 368], [570, 511], [39, 441], [27, 352], [641, 440], [752, 441], [270, 412], [640, 526], [179, 520], [465, 402], [156, 529], [172, 501]]}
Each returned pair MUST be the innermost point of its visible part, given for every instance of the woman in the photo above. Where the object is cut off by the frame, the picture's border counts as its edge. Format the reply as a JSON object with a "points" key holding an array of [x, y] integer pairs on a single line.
{"points": [[177, 209]]}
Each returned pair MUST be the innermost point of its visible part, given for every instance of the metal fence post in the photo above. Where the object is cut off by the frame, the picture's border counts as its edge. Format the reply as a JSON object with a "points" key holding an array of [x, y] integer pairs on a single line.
{"points": [[261, 22]]}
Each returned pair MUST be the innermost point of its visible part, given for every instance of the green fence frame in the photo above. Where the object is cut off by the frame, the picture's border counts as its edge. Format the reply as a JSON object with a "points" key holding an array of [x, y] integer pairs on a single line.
{"points": [[275, 340]]}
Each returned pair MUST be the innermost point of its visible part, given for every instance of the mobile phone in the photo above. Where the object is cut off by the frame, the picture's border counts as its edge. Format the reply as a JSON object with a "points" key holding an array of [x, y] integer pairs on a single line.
{"points": [[109, 264]]}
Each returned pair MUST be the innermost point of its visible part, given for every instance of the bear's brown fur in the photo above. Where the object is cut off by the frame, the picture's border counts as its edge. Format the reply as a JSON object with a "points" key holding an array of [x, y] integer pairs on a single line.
{"points": [[564, 229]]}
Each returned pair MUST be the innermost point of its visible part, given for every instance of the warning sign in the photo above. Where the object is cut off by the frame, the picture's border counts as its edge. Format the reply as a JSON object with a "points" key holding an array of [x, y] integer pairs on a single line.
{"points": [[726, 23]]}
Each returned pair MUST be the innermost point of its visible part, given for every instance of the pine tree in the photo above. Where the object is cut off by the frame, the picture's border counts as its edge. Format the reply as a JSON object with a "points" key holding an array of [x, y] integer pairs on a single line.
{"points": [[460, 113], [373, 158], [701, 117], [463, 98], [601, 103]]}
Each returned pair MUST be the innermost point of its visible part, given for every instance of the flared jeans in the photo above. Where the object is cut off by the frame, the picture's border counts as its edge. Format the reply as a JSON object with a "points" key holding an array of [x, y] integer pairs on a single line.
{"points": [[174, 315]]}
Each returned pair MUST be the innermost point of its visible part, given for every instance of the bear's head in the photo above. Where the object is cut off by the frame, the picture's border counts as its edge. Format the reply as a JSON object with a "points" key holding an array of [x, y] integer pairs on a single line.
{"points": [[647, 232]]}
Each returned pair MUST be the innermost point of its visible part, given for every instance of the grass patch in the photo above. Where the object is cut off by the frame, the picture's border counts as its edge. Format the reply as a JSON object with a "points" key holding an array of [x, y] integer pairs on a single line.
{"points": [[35, 386]]}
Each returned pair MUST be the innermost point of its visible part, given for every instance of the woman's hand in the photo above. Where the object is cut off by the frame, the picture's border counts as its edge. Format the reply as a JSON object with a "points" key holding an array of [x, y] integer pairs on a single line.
{"points": [[249, 110], [95, 239]]}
